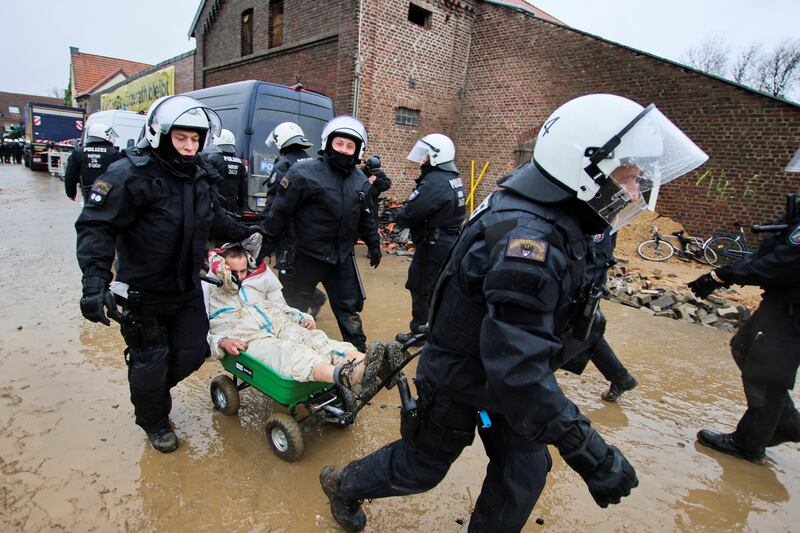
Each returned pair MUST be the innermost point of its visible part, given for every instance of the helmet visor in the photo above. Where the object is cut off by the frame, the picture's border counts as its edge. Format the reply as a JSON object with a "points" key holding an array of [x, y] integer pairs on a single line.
{"points": [[794, 163], [419, 154], [651, 153], [186, 111]]}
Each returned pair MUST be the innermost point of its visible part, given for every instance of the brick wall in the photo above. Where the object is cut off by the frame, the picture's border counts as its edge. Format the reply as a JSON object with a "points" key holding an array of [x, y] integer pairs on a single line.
{"points": [[310, 51], [394, 51], [521, 69]]}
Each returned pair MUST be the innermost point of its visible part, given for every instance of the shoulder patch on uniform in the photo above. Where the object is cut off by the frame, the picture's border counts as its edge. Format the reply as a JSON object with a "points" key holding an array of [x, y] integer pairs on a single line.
{"points": [[285, 182], [598, 237], [413, 195], [99, 191], [527, 249], [794, 236]]}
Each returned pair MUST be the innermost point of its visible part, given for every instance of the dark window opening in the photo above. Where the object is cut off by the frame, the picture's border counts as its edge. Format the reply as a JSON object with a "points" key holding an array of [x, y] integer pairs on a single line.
{"points": [[247, 32], [419, 16], [406, 117], [275, 23]]}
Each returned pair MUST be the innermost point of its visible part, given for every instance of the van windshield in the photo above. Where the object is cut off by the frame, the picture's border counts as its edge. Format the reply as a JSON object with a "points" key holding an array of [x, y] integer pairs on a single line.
{"points": [[264, 120]]}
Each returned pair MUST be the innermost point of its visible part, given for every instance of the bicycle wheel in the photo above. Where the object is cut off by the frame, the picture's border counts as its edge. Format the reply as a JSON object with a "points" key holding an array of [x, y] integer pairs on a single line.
{"points": [[694, 250], [653, 250], [719, 251]]}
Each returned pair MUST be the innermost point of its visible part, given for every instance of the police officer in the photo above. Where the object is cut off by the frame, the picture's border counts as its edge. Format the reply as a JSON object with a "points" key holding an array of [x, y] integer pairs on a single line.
{"points": [[233, 186], [433, 212], [379, 181], [90, 161], [325, 199], [291, 143], [507, 296], [767, 347], [157, 208]]}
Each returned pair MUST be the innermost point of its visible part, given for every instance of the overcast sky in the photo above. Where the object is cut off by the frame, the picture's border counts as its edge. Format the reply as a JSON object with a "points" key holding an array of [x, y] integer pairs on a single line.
{"points": [[37, 34]]}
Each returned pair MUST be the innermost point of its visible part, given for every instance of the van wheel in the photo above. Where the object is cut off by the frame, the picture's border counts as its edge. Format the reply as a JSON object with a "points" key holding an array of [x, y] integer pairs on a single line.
{"points": [[285, 437], [225, 395]]}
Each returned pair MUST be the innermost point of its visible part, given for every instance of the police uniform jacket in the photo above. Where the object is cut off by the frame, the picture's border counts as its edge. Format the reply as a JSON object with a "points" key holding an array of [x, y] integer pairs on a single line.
{"points": [[437, 203], [502, 308], [158, 223], [88, 163], [233, 186], [329, 212]]}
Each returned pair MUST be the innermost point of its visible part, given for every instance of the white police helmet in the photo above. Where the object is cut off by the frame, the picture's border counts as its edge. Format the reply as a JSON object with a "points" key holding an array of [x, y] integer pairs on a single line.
{"points": [[99, 132], [287, 134], [437, 148], [226, 141], [183, 112], [609, 152], [346, 126]]}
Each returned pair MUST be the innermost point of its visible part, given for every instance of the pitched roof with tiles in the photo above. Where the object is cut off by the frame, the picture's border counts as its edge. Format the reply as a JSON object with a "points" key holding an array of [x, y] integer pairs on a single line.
{"points": [[89, 70]]}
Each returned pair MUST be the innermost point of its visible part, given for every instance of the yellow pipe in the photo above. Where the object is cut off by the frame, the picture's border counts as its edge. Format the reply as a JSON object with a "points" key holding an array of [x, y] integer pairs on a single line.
{"points": [[471, 199], [471, 185]]}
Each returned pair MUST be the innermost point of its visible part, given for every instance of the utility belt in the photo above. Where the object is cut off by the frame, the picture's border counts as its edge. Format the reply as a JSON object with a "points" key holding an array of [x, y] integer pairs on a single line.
{"points": [[143, 333], [433, 235], [421, 432]]}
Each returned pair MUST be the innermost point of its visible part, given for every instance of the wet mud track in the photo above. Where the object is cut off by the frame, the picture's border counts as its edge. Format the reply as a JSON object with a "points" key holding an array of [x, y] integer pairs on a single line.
{"points": [[72, 459]]}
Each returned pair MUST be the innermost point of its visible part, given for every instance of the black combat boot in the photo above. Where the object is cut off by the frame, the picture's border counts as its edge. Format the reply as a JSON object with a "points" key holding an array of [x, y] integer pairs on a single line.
{"points": [[348, 513], [163, 438], [727, 443], [619, 385]]}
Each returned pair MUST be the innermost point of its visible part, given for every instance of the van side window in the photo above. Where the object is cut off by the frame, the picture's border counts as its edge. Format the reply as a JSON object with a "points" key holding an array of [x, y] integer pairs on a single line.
{"points": [[275, 23], [247, 32]]}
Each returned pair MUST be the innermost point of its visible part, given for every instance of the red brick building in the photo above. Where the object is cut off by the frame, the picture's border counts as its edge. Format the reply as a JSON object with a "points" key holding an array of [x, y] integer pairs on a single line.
{"points": [[487, 73]]}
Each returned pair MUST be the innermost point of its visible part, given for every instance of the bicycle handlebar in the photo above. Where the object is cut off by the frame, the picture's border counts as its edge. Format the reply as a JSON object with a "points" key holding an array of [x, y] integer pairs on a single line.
{"points": [[769, 228]]}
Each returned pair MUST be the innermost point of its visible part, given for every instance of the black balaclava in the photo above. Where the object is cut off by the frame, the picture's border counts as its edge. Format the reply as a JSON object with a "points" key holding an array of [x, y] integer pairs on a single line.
{"points": [[341, 163], [181, 166]]}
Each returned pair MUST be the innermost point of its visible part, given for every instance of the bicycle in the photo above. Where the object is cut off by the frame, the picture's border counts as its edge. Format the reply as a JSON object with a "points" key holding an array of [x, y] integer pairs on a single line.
{"points": [[724, 247], [659, 249]]}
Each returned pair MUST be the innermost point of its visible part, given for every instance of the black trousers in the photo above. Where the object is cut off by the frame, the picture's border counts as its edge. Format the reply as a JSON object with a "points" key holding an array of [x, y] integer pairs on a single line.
{"points": [[153, 371], [422, 275], [515, 475], [769, 406], [606, 360], [341, 285]]}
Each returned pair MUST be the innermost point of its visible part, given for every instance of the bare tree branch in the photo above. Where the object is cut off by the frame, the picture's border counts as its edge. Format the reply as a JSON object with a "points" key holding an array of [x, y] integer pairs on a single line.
{"points": [[710, 56], [779, 71], [743, 68]]}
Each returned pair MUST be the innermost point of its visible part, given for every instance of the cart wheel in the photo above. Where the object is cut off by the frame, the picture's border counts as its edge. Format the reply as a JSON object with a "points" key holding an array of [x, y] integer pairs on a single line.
{"points": [[224, 395], [285, 437]]}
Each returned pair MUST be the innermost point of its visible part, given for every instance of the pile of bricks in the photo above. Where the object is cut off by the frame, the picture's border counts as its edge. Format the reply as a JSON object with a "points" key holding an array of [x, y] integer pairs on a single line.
{"points": [[642, 291]]}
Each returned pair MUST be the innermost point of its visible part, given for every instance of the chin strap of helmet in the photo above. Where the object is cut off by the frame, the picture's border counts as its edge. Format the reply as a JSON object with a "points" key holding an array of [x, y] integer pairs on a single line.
{"points": [[596, 155]]}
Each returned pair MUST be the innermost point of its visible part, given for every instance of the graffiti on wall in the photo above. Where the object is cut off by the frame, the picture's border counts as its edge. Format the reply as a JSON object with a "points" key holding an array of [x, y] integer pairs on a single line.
{"points": [[717, 185]]}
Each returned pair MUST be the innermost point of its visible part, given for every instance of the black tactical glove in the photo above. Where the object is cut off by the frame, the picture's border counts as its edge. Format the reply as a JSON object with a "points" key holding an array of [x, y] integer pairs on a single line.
{"points": [[94, 299], [387, 216], [703, 286], [374, 257], [605, 470]]}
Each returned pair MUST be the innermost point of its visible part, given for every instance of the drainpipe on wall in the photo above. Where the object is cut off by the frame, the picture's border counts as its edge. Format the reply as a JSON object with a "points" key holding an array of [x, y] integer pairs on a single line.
{"points": [[357, 68]]}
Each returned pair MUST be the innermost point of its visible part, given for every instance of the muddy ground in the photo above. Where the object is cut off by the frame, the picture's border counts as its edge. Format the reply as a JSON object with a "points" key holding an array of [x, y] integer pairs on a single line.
{"points": [[72, 459]]}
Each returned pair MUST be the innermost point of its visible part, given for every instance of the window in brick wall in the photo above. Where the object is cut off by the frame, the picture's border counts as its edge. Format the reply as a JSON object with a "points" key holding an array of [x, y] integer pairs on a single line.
{"points": [[247, 32], [406, 116], [275, 23], [419, 16]]}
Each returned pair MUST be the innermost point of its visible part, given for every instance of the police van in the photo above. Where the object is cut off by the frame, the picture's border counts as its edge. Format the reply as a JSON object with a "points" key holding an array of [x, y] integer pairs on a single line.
{"points": [[251, 109], [127, 126]]}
